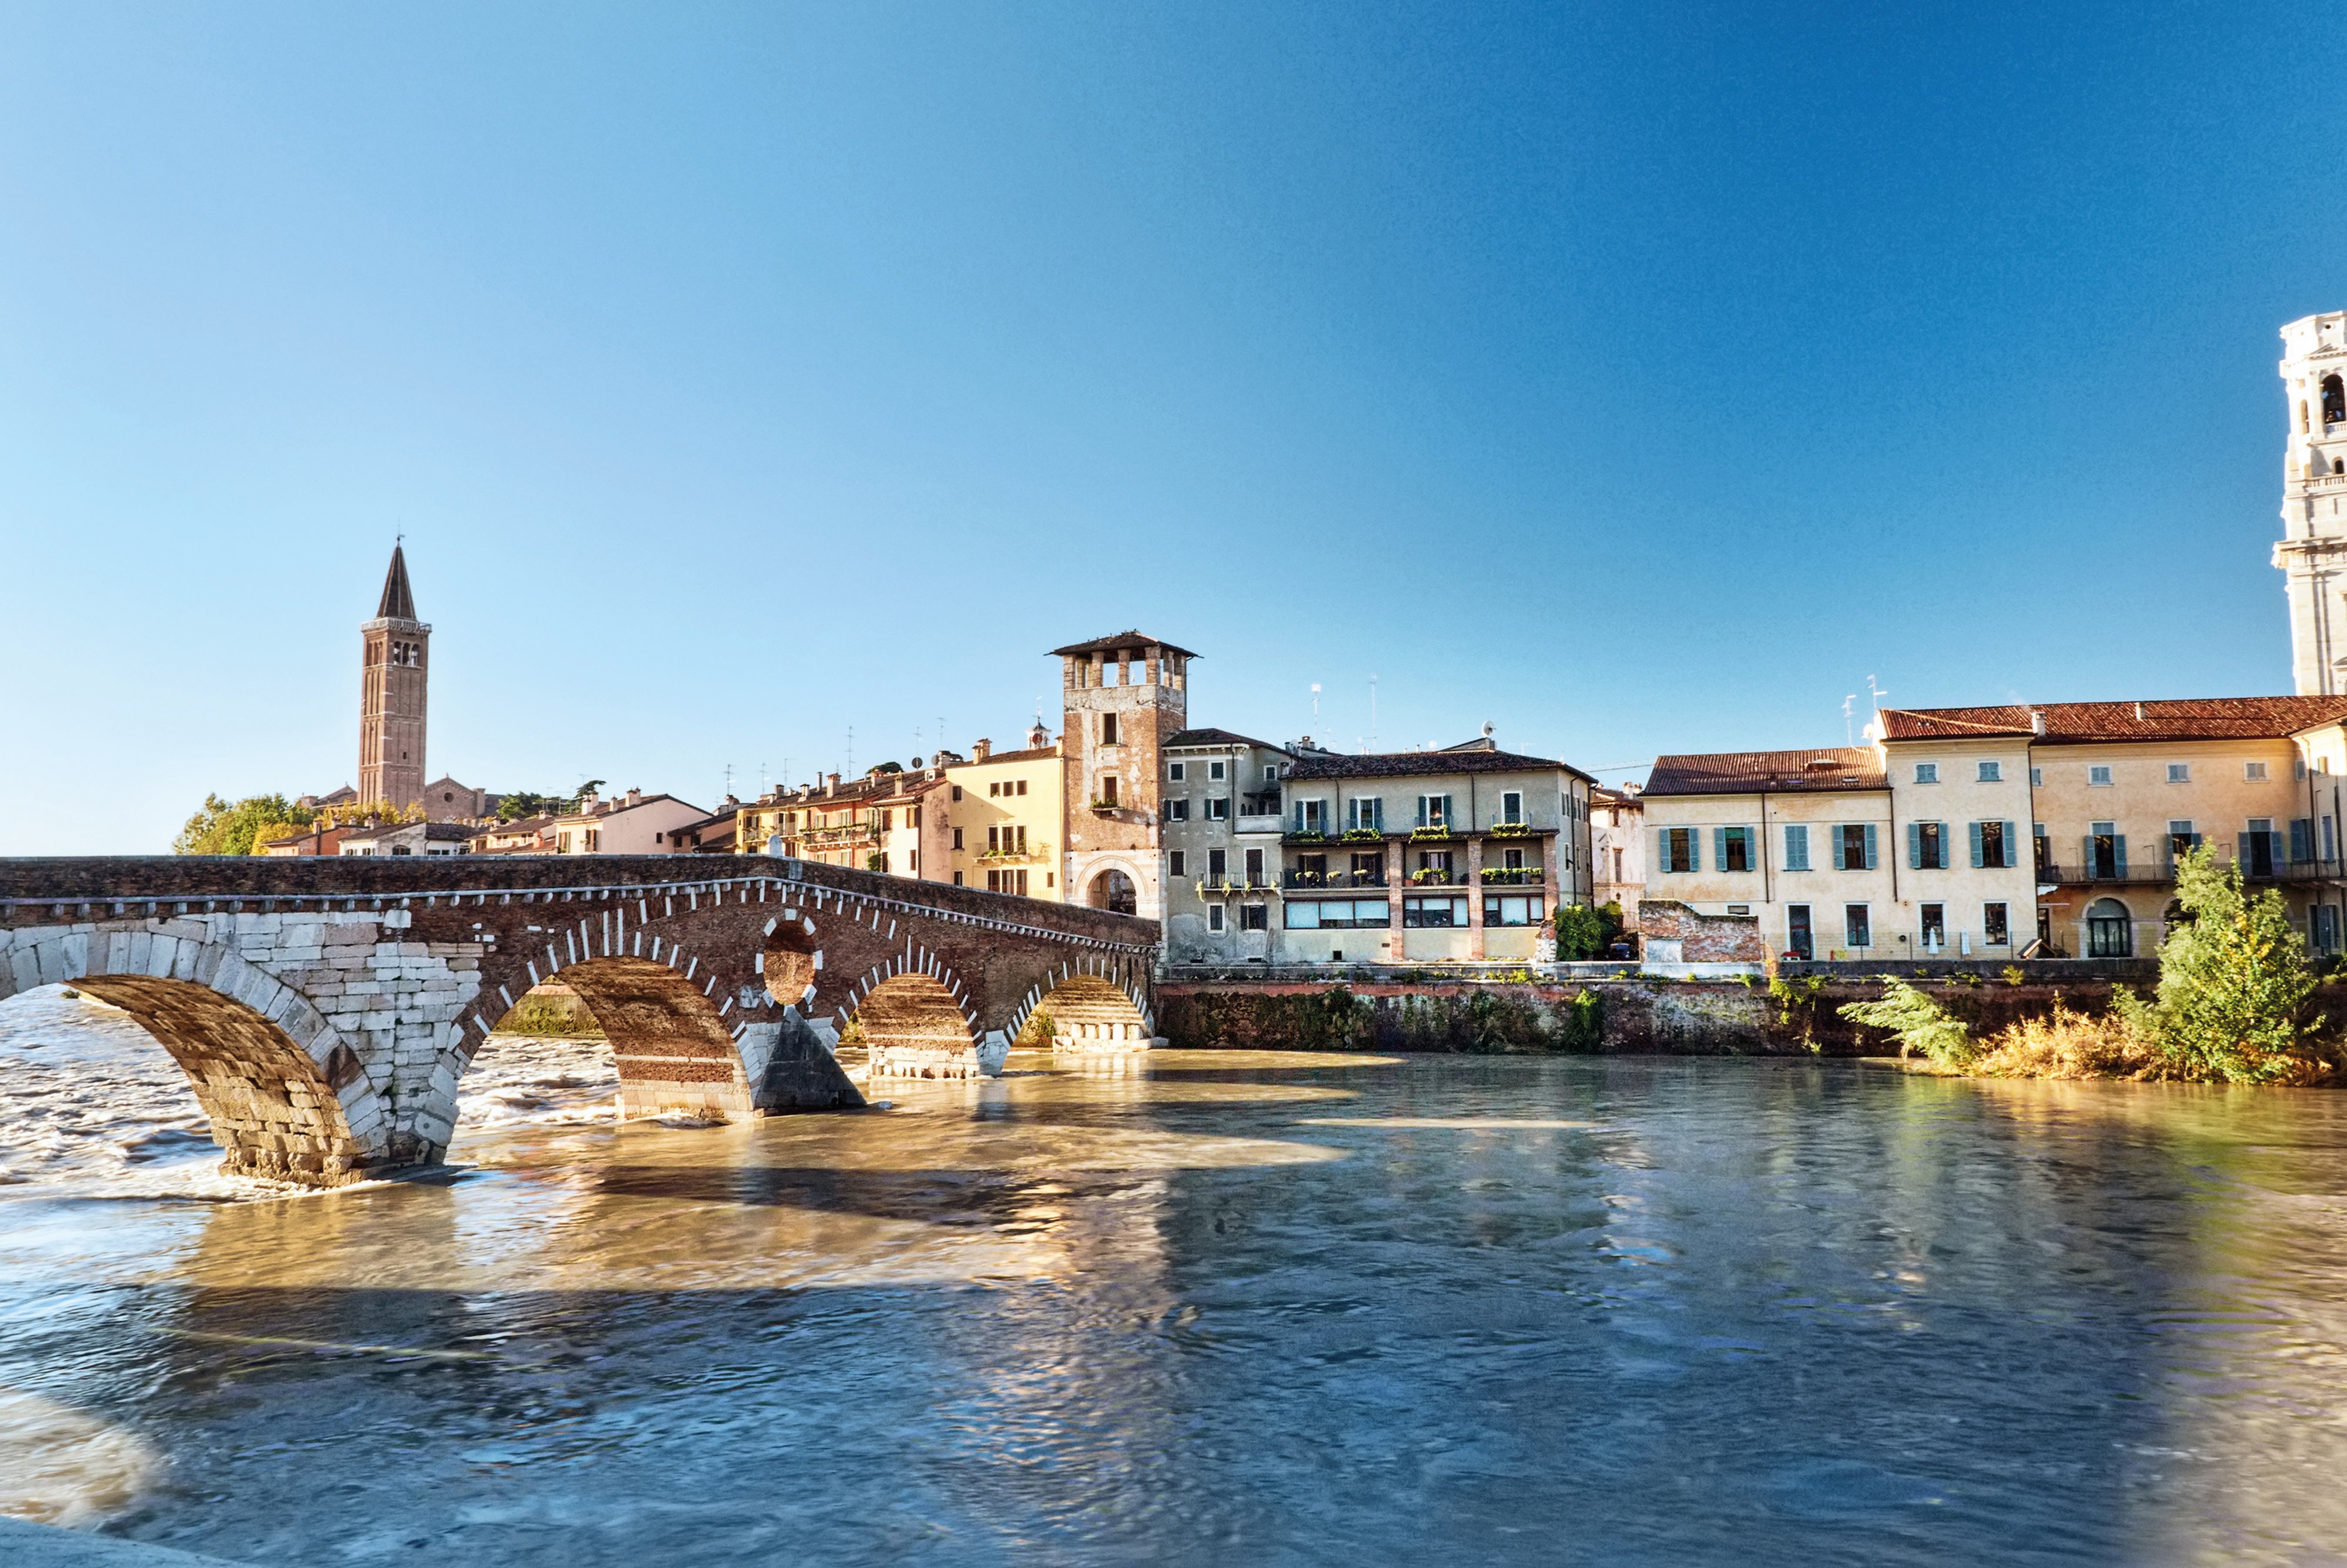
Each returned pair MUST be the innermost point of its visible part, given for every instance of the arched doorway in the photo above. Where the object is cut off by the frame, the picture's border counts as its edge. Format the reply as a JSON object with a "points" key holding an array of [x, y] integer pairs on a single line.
{"points": [[2110, 930], [1113, 891]]}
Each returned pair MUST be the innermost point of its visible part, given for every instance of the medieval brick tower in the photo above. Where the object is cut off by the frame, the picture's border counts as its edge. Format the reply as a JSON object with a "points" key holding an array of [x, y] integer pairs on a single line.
{"points": [[2312, 553], [1123, 697], [391, 694]]}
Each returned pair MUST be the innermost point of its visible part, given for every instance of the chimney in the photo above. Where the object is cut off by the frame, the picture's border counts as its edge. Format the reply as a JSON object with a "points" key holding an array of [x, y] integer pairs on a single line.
{"points": [[635, 797], [2036, 721], [983, 750], [830, 783]]}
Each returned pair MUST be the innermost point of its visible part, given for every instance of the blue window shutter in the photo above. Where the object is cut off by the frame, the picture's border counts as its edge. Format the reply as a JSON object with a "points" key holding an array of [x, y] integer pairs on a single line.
{"points": [[2118, 848], [1872, 858], [1796, 846], [1662, 850], [1719, 849], [1839, 844], [1914, 847], [1378, 812], [2011, 847], [2302, 838], [1977, 851]]}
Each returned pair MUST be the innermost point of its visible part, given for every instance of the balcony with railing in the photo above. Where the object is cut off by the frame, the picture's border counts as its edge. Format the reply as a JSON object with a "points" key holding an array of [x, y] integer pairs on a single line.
{"points": [[1512, 875], [1218, 884], [1335, 879]]}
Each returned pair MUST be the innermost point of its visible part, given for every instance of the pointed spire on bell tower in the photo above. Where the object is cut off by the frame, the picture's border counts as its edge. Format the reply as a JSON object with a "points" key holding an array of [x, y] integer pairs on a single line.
{"points": [[398, 599]]}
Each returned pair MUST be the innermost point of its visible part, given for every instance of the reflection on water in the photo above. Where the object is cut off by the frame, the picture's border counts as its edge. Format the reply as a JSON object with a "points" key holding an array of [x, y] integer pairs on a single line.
{"points": [[1240, 1308]]}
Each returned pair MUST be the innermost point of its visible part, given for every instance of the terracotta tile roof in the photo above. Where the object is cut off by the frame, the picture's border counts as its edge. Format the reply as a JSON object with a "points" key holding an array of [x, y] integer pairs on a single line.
{"points": [[2078, 723], [1420, 764], [1217, 738], [1749, 773], [1134, 640]]}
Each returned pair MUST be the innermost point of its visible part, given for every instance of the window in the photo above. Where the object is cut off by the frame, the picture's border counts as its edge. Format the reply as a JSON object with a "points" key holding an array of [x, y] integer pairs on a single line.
{"points": [[1271, 773], [1218, 808], [912, 863], [1739, 908], [2334, 400], [2302, 838], [1927, 773], [1214, 917], [1174, 864], [2253, 773], [1927, 845], [957, 792], [1433, 865], [958, 879], [2258, 847], [2329, 841], [2110, 930], [1731, 849], [1854, 847], [1433, 914], [2326, 928], [1994, 931], [2106, 851], [2181, 839], [1311, 816], [2180, 773], [994, 787], [1678, 849], [1255, 868], [1337, 914], [1511, 805], [1173, 772], [1108, 729], [1108, 789], [1363, 813], [1798, 940], [1213, 770], [1434, 810], [1995, 845], [1021, 784], [957, 832], [1177, 810], [1797, 849], [1935, 927], [1255, 918], [887, 822], [1856, 931], [2098, 773], [1506, 909], [2037, 778], [1991, 773]]}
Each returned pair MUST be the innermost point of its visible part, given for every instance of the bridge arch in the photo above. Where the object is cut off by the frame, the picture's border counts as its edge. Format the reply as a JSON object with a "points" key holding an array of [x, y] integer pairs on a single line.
{"points": [[285, 1094], [1092, 1008], [916, 1026], [675, 1053]]}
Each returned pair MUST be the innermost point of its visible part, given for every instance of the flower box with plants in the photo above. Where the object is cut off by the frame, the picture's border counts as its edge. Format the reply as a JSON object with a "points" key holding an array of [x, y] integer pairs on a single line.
{"points": [[1434, 830], [1363, 835], [1512, 830], [1307, 835]]}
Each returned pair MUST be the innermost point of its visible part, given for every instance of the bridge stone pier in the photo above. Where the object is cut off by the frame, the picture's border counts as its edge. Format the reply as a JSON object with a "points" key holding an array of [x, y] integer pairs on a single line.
{"points": [[325, 1009]]}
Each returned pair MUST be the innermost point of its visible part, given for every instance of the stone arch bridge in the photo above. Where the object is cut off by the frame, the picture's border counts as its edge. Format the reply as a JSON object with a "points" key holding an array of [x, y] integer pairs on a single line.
{"points": [[324, 1009]]}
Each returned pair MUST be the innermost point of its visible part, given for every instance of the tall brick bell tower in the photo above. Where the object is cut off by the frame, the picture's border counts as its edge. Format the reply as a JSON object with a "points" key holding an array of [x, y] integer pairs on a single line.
{"points": [[1123, 696], [391, 694]]}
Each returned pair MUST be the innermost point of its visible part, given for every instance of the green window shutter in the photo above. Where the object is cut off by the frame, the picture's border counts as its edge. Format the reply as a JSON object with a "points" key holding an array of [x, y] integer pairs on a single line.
{"points": [[1662, 850], [1914, 847], [1796, 846], [1872, 859], [2012, 846], [1977, 851], [1719, 849], [2118, 848], [1835, 836], [1449, 817]]}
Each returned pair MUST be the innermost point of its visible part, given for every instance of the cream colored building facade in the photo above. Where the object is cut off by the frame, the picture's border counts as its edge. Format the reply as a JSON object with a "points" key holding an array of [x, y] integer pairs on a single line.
{"points": [[998, 821], [2046, 830]]}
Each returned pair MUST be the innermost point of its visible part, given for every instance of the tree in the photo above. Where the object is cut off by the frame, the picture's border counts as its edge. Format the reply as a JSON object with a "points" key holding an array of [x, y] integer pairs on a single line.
{"points": [[1918, 1023], [2233, 982], [1583, 932], [221, 828]]}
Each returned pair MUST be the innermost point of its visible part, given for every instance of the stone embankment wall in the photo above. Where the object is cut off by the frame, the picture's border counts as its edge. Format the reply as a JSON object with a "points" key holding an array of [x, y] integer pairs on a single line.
{"points": [[1615, 1016]]}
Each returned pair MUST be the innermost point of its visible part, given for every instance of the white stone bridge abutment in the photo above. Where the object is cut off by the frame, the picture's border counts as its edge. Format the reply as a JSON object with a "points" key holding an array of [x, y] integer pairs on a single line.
{"points": [[325, 1009]]}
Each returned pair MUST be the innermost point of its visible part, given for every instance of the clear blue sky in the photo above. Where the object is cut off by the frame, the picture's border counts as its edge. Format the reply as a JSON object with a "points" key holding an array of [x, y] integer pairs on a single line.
{"points": [[1637, 377]]}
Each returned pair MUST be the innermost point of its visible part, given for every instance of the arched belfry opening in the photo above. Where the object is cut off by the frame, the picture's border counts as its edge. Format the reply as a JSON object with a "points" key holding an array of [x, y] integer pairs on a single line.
{"points": [[2334, 400]]}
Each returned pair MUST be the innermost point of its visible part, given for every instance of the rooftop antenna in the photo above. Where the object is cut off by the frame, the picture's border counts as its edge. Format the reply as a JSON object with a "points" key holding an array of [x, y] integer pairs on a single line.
{"points": [[851, 750], [1849, 737], [728, 781], [763, 785]]}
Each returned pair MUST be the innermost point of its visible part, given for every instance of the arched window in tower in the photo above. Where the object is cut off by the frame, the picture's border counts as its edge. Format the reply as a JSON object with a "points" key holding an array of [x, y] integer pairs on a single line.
{"points": [[2334, 399]]}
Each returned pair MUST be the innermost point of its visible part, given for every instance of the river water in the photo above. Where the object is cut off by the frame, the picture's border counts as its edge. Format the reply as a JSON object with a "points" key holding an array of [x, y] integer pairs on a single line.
{"points": [[1228, 1308]]}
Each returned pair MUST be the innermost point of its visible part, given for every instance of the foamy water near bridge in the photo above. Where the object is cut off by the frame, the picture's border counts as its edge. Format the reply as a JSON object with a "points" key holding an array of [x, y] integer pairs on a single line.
{"points": [[324, 1009]]}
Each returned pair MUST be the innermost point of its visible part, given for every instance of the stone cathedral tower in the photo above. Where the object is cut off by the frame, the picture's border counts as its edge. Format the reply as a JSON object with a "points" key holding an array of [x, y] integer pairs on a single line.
{"points": [[2312, 554], [391, 694]]}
